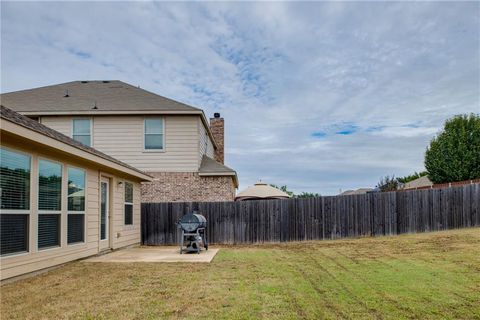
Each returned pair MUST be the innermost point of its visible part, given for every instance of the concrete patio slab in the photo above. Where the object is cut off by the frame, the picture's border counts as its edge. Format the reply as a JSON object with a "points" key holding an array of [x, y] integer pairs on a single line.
{"points": [[154, 254]]}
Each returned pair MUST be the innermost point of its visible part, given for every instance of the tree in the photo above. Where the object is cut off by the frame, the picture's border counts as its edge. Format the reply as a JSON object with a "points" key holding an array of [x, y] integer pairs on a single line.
{"points": [[388, 183], [454, 155], [412, 177], [284, 189], [293, 195], [307, 195]]}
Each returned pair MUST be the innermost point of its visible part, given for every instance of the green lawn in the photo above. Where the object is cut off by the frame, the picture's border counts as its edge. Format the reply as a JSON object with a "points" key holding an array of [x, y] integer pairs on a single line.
{"points": [[425, 276]]}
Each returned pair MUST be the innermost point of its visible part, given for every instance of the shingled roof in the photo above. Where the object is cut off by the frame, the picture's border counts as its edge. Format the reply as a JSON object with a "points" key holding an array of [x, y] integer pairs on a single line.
{"points": [[210, 167], [12, 116], [88, 96]]}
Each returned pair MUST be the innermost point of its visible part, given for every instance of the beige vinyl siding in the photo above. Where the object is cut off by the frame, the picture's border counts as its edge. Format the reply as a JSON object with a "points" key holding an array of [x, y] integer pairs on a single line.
{"points": [[202, 141], [93, 221], [210, 149], [18, 264], [125, 235], [122, 138], [62, 124], [205, 144]]}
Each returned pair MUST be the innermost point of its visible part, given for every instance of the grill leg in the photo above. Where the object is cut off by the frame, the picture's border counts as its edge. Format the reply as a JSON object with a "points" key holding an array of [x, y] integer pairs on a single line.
{"points": [[181, 243], [205, 240]]}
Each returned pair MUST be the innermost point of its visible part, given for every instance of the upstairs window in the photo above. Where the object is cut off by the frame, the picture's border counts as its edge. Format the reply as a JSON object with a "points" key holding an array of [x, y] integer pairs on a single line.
{"points": [[128, 203], [154, 134], [82, 131]]}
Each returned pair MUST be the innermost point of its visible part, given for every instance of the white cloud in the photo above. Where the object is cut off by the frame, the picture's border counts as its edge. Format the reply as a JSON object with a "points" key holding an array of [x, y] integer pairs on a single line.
{"points": [[406, 131], [276, 78]]}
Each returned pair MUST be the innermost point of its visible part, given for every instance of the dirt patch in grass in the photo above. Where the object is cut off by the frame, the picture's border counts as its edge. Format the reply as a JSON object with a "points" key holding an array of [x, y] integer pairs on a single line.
{"points": [[423, 276]]}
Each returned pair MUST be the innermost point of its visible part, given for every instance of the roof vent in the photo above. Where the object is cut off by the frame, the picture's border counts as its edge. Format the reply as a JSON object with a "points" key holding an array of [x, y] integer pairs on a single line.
{"points": [[106, 81], [66, 93], [84, 81], [216, 115]]}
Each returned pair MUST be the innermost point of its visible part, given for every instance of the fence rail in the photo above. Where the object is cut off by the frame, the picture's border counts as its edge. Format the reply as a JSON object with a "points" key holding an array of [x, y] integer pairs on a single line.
{"points": [[330, 217]]}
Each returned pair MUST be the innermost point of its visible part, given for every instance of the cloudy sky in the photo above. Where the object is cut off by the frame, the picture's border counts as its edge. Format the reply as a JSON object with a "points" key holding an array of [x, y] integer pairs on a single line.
{"points": [[317, 96]]}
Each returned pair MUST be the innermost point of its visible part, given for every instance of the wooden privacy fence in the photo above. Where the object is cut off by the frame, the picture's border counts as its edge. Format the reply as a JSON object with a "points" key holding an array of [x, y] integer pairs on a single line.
{"points": [[331, 217]]}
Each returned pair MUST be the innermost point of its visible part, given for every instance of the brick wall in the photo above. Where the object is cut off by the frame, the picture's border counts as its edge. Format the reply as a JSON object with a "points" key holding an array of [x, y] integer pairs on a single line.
{"points": [[217, 126], [187, 186]]}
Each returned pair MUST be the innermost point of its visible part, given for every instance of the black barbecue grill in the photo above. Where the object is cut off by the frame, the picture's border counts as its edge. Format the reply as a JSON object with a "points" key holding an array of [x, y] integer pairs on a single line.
{"points": [[193, 236]]}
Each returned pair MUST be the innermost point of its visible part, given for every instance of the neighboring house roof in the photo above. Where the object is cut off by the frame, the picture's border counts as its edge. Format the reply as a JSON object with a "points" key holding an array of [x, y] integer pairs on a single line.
{"points": [[95, 98], [418, 183], [18, 119], [261, 190], [358, 191], [80, 193], [210, 167]]}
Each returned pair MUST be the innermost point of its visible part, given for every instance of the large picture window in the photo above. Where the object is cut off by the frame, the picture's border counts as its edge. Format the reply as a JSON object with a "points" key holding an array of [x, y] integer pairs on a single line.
{"points": [[76, 206], [13, 233], [48, 230], [128, 203], [49, 185], [154, 132], [49, 203], [15, 180], [76, 228], [82, 131], [14, 201]]}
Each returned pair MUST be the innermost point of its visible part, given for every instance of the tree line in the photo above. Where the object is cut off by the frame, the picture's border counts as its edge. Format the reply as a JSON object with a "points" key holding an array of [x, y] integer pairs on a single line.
{"points": [[453, 155]]}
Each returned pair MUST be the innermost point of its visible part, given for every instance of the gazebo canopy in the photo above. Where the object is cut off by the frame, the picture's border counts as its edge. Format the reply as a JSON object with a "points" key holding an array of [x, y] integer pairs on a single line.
{"points": [[260, 191]]}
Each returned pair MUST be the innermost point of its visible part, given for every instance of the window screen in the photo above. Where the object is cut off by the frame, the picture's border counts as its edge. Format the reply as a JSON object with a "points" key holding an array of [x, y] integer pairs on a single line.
{"points": [[128, 213], [128, 203], [48, 230], [103, 210], [81, 131], [76, 228], [49, 185], [14, 180], [154, 133], [13, 233]]}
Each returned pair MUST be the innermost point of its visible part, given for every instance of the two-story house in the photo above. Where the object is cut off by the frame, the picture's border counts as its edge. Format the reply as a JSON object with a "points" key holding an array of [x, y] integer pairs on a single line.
{"points": [[171, 141]]}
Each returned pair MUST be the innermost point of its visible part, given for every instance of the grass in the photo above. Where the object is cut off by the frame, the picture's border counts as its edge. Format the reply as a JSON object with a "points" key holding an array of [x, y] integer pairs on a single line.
{"points": [[424, 276]]}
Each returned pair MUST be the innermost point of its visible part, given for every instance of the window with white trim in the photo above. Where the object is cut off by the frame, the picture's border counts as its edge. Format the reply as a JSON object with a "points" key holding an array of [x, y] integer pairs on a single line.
{"points": [[15, 170], [76, 206], [154, 134], [128, 203], [49, 203], [82, 131]]}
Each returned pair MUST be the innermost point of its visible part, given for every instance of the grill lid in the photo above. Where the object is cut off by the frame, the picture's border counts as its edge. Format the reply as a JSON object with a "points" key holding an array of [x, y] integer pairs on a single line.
{"points": [[192, 221]]}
